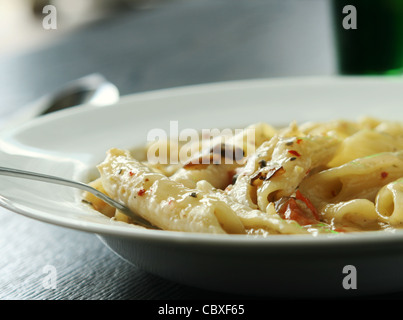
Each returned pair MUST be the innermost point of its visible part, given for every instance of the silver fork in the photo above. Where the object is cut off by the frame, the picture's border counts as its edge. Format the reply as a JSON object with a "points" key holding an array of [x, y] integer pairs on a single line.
{"points": [[137, 219]]}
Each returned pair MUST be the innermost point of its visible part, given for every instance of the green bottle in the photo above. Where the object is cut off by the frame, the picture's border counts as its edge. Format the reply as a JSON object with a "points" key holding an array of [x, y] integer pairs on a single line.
{"points": [[369, 36]]}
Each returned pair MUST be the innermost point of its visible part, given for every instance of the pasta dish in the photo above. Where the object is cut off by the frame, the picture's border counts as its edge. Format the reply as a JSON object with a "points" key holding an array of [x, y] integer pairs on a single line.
{"points": [[310, 178]]}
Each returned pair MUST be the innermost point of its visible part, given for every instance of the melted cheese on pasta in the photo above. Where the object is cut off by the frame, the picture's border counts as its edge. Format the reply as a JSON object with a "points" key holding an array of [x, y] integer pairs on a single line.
{"points": [[330, 177]]}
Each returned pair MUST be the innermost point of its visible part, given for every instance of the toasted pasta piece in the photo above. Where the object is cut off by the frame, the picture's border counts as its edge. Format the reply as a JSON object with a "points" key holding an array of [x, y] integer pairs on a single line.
{"points": [[358, 179], [165, 203], [389, 203]]}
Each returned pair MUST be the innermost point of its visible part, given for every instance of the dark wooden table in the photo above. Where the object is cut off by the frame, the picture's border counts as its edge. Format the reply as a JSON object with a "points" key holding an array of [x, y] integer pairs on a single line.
{"points": [[188, 42]]}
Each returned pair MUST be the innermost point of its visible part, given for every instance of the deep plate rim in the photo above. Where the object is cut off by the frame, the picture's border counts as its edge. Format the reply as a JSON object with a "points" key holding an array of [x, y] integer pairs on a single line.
{"points": [[296, 241]]}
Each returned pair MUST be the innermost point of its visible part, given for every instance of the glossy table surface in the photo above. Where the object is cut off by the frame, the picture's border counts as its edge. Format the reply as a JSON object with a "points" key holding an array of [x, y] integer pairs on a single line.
{"points": [[168, 46]]}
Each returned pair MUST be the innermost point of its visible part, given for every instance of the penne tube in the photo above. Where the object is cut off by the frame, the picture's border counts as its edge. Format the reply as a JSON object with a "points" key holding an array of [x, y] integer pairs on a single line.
{"points": [[165, 203], [311, 178]]}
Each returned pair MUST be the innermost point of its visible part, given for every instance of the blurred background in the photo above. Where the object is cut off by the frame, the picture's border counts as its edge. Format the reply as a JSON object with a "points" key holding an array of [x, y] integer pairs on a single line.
{"points": [[143, 45], [21, 28]]}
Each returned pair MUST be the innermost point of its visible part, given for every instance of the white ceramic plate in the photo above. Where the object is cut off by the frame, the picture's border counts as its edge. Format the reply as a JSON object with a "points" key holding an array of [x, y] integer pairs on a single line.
{"points": [[71, 142]]}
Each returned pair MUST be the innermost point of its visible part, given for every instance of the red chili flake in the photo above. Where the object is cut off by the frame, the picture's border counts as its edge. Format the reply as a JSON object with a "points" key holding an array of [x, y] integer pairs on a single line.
{"points": [[384, 174], [308, 203], [141, 192], [295, 153], [291, 211], [299, 140], [131, 173]]}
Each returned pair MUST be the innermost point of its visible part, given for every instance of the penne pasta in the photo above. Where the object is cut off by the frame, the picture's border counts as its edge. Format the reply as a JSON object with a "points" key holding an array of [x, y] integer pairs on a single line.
{"points": [[162, 201], [357, 214], [358, 179], [312, 178], [389, 203]]}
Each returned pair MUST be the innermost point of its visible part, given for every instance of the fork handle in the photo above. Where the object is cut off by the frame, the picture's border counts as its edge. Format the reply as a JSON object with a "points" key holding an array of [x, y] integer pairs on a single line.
{"points": [[75, 184]]}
